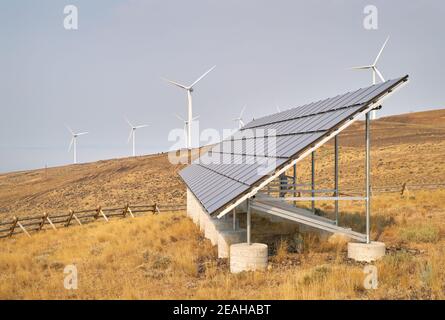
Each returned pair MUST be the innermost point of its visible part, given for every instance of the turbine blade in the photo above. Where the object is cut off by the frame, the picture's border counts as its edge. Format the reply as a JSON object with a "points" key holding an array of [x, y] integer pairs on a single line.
{"points": [[129, 123], [141, 126], [176, 84], [241, 122], [129, 137], [381, 50], [379, 74], [81, 133], [179, 117], [361, 67], [242, 111], [199, 79], [196, 118], [69, 129], [71, 144]]}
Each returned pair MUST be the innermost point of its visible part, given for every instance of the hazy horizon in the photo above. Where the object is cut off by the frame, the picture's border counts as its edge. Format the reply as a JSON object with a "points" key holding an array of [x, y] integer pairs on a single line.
{"points": [[267, 54]]}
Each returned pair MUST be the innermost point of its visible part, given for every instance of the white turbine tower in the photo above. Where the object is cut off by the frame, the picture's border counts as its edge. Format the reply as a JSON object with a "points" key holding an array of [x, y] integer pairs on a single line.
{"points": [[185, 124], [133, 134], [375, 71], [189, 90], [73, 142], [240, 118]]}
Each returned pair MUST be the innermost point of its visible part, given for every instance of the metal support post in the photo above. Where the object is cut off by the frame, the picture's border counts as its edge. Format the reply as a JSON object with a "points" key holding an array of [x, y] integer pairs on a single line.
{"points": [[336, 193], [368, 178], [248, 222], [313, 180]]}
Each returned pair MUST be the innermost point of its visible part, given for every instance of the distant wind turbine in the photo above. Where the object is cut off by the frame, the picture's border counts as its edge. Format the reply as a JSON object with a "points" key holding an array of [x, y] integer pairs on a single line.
{"points": [[189, 90], [240, 118], [133, 134], [185, 123], [375, 71], [73, 142]]}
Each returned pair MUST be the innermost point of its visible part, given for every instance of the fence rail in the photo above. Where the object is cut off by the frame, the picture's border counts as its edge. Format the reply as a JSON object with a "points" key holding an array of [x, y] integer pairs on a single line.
{"points": [[35, 223]]}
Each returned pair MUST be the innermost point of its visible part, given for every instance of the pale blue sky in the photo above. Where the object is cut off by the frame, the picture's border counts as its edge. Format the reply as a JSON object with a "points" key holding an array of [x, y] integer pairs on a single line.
{"points": [[267, 53]]}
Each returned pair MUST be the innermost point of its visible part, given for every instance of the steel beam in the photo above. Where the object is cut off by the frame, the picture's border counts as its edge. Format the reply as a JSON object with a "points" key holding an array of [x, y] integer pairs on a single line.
{"points": [[320, 199], [248, 222], [313, 180], [295, 181], [336, 177], [368, 177], [234, 218]]}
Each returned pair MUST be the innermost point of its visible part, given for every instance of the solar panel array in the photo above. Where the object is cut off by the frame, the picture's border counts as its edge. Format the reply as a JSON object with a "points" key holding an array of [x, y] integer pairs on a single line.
{"points": [[233, 166]]}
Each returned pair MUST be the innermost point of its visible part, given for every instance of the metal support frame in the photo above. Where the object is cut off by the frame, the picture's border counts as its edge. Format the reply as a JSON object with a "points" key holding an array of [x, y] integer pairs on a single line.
{"points": [[336, 177], [234, 219], [295, 181], [368, 176], [313, 180], [320, 199], [248, 222]]}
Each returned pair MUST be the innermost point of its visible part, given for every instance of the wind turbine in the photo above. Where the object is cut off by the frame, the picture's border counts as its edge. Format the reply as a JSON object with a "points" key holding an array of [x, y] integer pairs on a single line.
{"points": [[185, 123], [240, 118], [73, 142], [133, 134], [189, 90], [375, 71]]}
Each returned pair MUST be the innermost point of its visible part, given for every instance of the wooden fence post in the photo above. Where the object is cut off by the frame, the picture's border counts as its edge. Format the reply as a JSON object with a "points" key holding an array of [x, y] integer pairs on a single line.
{"points": [[43, 220], [156, 208], [77, 219], [103, 215], [14, 223], [98, 210], [23, 229], [404, 189], [129, 211], [51, 223], [69, 218]]}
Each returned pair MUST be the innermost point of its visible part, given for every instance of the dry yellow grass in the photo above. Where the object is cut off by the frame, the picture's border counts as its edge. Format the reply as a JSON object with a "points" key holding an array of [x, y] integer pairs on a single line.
{"points": [[165, 257]]}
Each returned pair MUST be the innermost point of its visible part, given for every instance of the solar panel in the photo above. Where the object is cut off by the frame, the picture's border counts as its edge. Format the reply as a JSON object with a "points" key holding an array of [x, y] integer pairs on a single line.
{"points": [[233, 167]]}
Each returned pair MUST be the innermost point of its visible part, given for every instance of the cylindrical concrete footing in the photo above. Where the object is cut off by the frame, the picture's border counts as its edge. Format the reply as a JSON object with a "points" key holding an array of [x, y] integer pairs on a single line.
{"points": [[366, 251], [245, 257], [227, 238]]}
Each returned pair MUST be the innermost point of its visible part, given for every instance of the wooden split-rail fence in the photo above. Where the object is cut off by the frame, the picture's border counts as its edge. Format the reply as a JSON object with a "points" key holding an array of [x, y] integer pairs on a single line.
{"points": [[35, 223]]}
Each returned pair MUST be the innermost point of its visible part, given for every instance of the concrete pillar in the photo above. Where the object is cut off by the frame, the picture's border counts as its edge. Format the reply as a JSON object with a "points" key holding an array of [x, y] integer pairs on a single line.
{"points": [[245, 257], [366, 252], [228, 237]]}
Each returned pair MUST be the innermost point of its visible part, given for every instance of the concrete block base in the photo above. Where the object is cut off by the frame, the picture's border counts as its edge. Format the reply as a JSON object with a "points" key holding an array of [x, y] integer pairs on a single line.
{"points": [[366, 252], [245, 257], [228, 237]]}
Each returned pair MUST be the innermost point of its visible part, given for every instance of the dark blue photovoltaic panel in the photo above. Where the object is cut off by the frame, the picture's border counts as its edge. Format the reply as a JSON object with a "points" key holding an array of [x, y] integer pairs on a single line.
{"points": [[235, 165]]}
